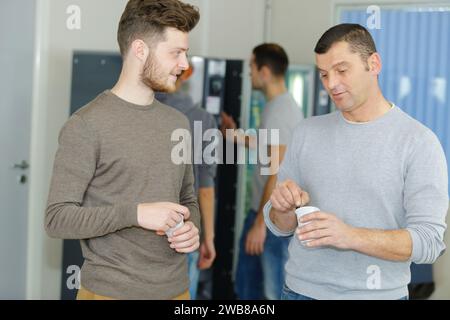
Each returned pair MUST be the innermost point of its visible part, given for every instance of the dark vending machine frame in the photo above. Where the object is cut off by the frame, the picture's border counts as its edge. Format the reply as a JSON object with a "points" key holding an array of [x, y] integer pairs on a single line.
{"points": [[227, 175]]}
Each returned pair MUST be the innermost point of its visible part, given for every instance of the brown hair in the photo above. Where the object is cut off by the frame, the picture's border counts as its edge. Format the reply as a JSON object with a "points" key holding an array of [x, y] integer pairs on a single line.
{"points": [[149, 19], [355, 35], [272, 56]]}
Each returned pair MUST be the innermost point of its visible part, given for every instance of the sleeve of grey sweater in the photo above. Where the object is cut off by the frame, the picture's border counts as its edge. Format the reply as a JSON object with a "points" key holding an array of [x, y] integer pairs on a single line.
{"points": [[426, 199], [74, 168]]}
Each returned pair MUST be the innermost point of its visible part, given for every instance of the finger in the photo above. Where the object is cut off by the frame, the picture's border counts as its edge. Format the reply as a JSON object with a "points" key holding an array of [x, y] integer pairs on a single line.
{"points": [[314, 235], [287, 194], [304, 197], [284, 205], [257, 248], [247, 245], [202, 264], [189, 249], [206, 259], [178, 217], [184, 236], [180, 209], [185, 244], [323, 242], [297, 195], [205, 263], [212, 254], [314, 216], [275, 204], [171, 222], [165, 228], [313, 225], [252, 249], [184, 229]]}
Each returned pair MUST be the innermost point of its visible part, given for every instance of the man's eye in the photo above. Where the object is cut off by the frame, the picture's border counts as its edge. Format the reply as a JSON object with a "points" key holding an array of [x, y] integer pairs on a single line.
{"points": [[323, 75], [342, 71]]}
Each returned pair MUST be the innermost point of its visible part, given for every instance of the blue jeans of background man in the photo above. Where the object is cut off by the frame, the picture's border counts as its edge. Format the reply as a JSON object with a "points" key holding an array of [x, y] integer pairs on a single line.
{"points": [[261, 277], [194, 273]]}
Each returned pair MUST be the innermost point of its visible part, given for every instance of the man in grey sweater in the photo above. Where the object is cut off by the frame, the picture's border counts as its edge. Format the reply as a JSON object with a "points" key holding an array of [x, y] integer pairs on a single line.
{"points": [[115, 185], [378, 177]]}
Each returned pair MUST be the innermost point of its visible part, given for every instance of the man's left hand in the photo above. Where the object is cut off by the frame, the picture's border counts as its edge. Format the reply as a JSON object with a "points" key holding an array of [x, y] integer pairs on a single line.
{"points": [[185, 239], [325, 229]]}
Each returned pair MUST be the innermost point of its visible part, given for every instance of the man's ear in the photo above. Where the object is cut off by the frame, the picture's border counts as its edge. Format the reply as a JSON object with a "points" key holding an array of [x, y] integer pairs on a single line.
{"points": [[375, 64], [265, 73], [140, 50]]}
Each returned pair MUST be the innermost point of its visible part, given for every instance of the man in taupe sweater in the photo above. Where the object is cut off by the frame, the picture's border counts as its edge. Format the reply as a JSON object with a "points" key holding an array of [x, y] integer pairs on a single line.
{"points": [[115, 186]]}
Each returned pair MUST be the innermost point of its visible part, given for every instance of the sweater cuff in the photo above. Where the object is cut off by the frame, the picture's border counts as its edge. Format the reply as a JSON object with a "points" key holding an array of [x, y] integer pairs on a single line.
{"points": [[271, 226], [127, 215], [417, 247]]}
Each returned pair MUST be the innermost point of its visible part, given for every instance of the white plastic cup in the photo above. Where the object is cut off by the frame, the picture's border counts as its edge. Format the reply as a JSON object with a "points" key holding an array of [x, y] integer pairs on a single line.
{"points": [[170, 232], [300, 212]]}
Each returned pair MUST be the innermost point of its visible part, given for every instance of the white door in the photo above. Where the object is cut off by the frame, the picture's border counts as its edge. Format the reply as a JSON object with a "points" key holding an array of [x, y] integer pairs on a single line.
{"points": [[16, 74]]}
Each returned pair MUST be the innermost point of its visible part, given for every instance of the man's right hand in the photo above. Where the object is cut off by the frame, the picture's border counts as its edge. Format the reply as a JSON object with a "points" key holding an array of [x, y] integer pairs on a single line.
{"points": [[161, 216], [288, 196], [256, 237]]}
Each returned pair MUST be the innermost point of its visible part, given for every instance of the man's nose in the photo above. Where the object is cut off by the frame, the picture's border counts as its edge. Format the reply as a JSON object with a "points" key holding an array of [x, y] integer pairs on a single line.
{"points": [[184, 63], [333, 81]]}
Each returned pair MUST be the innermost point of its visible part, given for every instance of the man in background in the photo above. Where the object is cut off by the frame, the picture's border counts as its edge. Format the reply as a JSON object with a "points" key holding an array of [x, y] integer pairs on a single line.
{"points": [[204, 178], [260, 251]]}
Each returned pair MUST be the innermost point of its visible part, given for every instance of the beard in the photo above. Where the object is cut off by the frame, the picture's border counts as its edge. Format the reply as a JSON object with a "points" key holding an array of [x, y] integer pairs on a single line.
{"points": [[154, 77]]}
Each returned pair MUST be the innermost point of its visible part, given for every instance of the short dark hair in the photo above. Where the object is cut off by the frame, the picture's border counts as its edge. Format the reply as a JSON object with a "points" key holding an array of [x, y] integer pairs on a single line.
{"points": [[148, 20], [273, 56], [359, 39]]}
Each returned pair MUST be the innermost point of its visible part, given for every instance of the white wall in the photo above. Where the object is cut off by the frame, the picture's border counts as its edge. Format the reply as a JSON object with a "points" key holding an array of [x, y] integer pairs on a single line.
{"points": [[50, 110], [234, 27], [214, 36], [298, 25]]}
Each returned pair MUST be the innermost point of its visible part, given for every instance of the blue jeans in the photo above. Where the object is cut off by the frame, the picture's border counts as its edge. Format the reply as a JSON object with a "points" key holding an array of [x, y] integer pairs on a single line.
{"points": [[261, 277], [288, 294], [194, 273]]}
